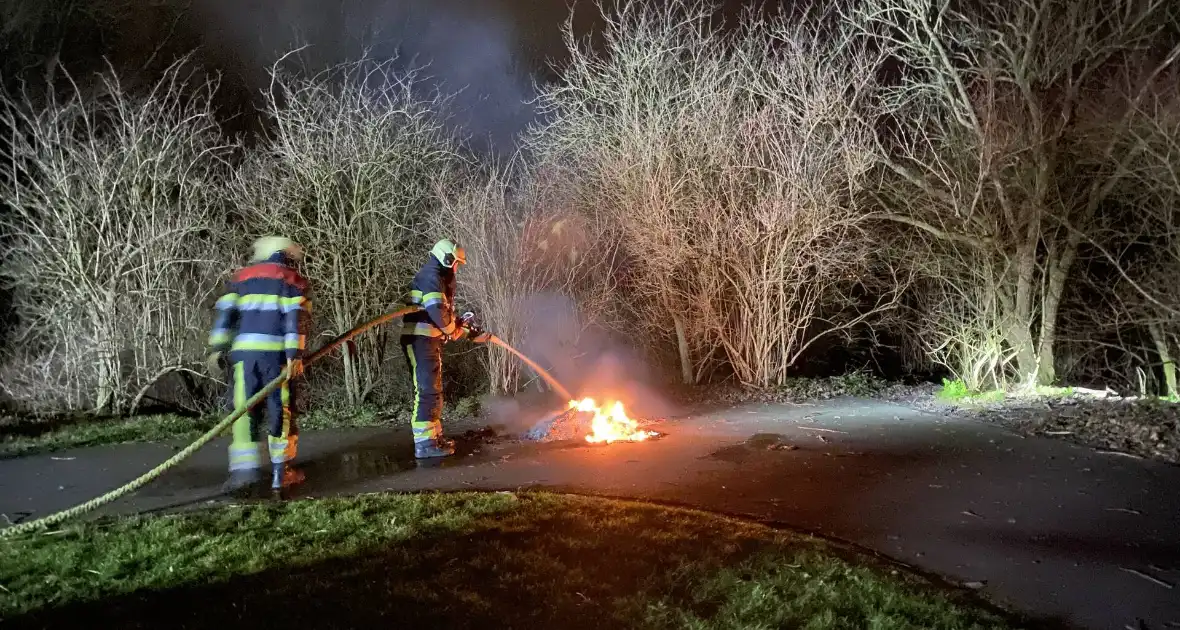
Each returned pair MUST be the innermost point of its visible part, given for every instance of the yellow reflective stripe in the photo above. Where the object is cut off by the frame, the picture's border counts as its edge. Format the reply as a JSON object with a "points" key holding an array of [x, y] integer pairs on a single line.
{"points": [[294, 341], [269, 302], [226, 301], [427, 299], [282, 449], [219, 338], [245, 462], [414, 374], [240, 398], [244, 454], [421, 329], [289, 304], [258, 299], [259, 346]]}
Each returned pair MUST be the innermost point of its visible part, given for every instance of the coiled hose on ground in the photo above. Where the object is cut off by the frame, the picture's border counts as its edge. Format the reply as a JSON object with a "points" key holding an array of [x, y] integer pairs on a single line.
{"points": [[151, 475]]}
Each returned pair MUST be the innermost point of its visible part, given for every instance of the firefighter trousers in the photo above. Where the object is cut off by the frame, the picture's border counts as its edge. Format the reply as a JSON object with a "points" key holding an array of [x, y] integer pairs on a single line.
{"points": [[251, 372], [424, 355]]}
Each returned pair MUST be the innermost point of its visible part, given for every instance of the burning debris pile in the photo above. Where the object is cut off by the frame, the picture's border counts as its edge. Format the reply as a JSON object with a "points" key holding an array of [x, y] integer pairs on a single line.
{"points": [[586, 419]]}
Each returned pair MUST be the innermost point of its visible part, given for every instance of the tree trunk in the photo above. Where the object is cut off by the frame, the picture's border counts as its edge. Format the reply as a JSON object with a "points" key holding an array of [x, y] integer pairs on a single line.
{"points": [[1021, 342], [686, 371], [350, 375], [1020, 315], [1166, 358], [106, 387], [1059, 267], [105, 394], [1019, 339]]}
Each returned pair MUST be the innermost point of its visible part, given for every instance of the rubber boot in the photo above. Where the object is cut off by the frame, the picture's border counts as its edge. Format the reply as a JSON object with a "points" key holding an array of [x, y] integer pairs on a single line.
{"points": [[242, 481], [439, 447], [283, 476]]}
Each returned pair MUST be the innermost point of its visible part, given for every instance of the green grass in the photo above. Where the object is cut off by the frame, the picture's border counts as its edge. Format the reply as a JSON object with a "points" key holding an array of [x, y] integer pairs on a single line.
{"points": [[991, 396], [50, 438], [1048, 391], [953, 390], [470, 560], [956, 391], [156, 428]]}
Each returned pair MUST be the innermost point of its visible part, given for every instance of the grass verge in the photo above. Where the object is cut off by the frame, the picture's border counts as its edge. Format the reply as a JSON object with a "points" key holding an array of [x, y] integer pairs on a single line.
{"points": [[465, 560]]}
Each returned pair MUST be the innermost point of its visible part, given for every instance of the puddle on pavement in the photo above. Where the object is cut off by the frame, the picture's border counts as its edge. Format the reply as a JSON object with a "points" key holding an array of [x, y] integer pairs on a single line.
{"points": [[757, 443], [365, 462], [382, 456]]}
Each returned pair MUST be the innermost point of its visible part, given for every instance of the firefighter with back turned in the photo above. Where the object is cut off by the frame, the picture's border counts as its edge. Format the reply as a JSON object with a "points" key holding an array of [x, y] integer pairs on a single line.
{"points": [[262, 322]]}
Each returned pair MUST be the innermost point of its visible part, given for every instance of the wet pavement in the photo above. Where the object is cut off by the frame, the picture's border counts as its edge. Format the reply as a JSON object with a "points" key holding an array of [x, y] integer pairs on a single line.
{"points": [[1044, 526]]}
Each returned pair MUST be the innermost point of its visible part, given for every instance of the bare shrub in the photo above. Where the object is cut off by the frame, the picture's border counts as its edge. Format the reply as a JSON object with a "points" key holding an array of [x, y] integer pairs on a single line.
{"points": [[994, 156], [960, 320], [348, 173], [115, 207], [730, 164]]}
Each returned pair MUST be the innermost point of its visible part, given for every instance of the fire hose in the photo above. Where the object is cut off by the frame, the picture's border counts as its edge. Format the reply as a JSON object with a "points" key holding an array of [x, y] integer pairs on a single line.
{"points": [[467, 320], [151, 475]]}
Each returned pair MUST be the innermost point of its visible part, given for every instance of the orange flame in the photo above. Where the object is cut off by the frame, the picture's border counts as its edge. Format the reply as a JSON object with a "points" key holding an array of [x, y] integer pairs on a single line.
{"points": [[610, 424]]}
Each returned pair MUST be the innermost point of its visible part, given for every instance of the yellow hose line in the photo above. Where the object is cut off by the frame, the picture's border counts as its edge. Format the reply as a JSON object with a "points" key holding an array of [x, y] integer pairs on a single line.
{"points": [[151, 475]]}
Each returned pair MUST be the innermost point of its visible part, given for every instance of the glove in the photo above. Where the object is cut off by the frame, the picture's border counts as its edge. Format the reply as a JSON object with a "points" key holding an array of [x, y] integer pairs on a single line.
{"points": [[479, 336], [294, 368], [213, 364]]}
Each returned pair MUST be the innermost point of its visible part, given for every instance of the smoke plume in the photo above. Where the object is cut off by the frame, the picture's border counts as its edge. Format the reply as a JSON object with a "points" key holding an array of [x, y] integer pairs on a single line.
{"points": [[470, 50]]}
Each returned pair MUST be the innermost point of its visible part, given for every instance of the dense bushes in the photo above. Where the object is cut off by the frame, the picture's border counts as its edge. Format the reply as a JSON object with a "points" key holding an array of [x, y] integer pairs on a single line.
{"points": [[115, 238], [996, 186]]}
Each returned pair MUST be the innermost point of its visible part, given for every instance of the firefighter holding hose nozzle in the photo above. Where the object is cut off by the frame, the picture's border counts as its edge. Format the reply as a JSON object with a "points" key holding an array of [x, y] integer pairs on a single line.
{"points": [[262, 320], [423, 336]]}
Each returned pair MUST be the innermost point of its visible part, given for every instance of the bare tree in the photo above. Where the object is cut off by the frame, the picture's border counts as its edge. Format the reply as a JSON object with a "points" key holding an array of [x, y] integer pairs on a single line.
{"points": [[732, 165], [988, 154], [1148, 241], [348, 173], [116, 207]]}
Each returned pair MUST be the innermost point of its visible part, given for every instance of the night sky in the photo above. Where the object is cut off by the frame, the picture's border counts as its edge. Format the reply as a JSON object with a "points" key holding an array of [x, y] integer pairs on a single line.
{"points": [[490, 51]]}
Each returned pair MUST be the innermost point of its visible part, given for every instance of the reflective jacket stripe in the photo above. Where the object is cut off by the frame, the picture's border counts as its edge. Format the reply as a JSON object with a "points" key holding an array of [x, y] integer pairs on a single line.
{"points": [[264, 309], [422, 329], [259, 342]]}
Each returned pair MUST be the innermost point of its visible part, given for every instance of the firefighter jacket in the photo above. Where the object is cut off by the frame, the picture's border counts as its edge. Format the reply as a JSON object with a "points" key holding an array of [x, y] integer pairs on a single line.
{"points": [[433, 288], [265, 309]]}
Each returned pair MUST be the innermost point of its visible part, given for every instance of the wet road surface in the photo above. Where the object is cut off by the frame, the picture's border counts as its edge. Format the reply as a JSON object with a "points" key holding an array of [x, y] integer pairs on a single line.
{"points": [[1043, 526]]}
